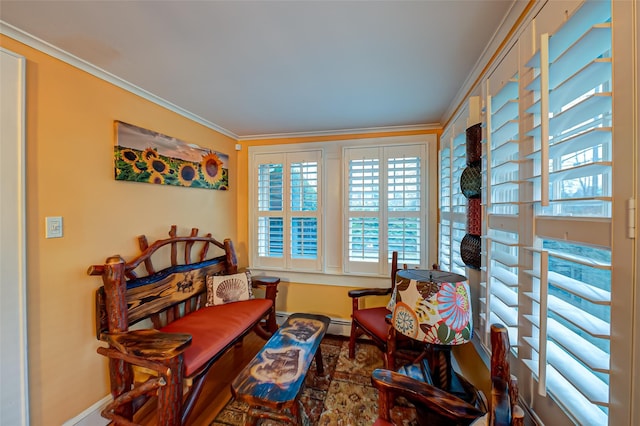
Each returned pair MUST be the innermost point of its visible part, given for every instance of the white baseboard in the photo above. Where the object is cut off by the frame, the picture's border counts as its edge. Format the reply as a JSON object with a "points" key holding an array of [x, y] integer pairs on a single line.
{"points": [[338, 326], [91, 416]]}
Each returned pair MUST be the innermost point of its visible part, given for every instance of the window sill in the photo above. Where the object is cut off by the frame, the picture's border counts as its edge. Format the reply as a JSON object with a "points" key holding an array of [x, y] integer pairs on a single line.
{"points": [[323, 278]]}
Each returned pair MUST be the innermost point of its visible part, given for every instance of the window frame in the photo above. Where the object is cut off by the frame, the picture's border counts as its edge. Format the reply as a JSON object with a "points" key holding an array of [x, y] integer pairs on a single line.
{"points": [[383, 214], [287, 214], [619, 236], [332, 271]]}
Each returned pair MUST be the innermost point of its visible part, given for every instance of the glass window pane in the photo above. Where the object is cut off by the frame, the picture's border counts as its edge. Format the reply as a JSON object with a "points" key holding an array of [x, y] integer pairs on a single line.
{"points": [[270, 187], [579, 317], [270, 236], [364, 241], [304, 238], [404, 237], [403, 184], [304, 186], [364, 185]]}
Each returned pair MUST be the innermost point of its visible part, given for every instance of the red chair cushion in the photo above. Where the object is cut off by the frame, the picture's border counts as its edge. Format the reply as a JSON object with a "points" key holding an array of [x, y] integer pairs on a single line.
{"points": [[373, 321], [214, 328]]}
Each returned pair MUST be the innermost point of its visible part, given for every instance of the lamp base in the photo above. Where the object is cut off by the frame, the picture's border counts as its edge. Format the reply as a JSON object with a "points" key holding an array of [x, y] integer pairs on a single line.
{"points": [[438, 357]]}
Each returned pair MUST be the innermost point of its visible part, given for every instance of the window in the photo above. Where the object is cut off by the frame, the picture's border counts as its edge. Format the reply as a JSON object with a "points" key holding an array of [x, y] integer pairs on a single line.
{"points": [[333, 212], [444, 228], [453, 203], [501, 198], [288, 210], [385, 204], [567, 305], [552, 267]]}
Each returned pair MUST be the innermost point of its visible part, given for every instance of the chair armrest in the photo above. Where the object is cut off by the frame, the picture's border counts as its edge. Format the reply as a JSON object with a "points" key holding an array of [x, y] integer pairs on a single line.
{"points": [[361, 292], [270, 284], [271, 291], [430, 397], [505, 411], [149, 344]]}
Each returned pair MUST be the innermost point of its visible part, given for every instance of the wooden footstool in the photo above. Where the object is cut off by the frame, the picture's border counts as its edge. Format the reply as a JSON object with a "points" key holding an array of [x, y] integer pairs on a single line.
{"points": [[272, 382]]}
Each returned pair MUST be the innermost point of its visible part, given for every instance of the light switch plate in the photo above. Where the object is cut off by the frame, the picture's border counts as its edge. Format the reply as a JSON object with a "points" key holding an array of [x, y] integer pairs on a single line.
{"points": [[53, 227]]}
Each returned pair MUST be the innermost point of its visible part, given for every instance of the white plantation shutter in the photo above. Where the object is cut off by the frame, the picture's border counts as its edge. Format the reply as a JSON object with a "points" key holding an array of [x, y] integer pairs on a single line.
{"points": [[385, 206], [288, 217], [363, 205], [271, 210], [458, 216], [304, 209], [501, 198], [444, 229], [405, 206], [453, 203], [568, 287]]}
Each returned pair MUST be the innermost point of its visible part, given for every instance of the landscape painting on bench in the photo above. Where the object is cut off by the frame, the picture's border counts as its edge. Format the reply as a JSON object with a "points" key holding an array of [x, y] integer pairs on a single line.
{"points": [[142, 155]]}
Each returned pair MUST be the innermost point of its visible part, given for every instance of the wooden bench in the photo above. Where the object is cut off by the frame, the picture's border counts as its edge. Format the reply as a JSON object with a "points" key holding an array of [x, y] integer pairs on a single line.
{"points": [[180, 337], [272, 382]]}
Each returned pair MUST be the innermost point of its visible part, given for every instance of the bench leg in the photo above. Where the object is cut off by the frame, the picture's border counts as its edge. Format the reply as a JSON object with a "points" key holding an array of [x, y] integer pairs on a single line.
{"points": [[296, 412], [170, 395], [251, 419], [121, 377], [319, 364]]}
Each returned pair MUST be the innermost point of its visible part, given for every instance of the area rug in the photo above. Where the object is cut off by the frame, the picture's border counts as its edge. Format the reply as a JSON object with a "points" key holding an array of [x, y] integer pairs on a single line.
{"points": [[343, 396]]}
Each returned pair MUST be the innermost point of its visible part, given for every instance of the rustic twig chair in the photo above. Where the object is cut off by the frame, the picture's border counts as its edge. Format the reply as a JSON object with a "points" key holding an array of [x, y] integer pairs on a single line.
{"points": [[437, 407]]}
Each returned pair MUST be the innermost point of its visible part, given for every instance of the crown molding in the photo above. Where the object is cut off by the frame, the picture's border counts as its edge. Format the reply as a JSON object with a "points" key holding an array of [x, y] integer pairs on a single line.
{"points": [[357, 131], [502, 40], [66, 57]]}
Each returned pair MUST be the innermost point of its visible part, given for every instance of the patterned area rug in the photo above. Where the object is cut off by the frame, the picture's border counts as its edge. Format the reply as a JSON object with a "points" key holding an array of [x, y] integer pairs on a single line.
{"points": [[343, 396]]}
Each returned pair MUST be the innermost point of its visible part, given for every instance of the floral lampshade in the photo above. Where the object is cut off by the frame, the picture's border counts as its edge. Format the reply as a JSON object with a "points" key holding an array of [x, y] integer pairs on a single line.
{"points": [[433, 307]]}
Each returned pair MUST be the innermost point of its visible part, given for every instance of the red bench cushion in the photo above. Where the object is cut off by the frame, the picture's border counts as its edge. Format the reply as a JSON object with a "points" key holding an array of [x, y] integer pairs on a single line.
{"points": [[214, 328]]}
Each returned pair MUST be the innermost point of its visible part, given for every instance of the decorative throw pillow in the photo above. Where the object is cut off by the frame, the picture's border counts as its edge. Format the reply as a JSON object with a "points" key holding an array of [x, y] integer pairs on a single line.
{"points": [[223, 289]]}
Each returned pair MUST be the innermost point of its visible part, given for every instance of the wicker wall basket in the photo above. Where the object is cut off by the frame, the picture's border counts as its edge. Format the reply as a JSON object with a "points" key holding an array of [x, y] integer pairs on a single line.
{"points": [[471, 181], [474, 216], [470, 251], [474, 145]]}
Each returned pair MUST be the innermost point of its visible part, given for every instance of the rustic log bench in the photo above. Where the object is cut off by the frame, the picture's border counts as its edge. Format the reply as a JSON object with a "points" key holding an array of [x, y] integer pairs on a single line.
{"points": [[184, 336]]}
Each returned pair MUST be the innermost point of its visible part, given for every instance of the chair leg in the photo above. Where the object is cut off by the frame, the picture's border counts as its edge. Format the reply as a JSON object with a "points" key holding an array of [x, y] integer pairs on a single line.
{"points": [[352, 340], [389, 359]]}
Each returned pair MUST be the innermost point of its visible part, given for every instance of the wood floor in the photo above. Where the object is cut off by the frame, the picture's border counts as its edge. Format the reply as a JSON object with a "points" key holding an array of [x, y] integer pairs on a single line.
{"points": [[216, 391]]}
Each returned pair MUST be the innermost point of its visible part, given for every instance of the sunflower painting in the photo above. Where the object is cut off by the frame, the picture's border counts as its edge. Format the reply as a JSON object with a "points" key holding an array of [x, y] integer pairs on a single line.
{"points": [[145, 156]]}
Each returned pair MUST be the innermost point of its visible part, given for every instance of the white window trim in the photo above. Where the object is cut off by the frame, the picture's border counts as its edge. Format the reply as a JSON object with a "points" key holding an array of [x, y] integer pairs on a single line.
{"points": [[332, 272], [383, 153], [286, 261]]}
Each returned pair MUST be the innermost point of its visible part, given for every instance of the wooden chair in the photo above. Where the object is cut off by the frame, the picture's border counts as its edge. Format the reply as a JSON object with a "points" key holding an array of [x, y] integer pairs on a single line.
{"points": [[373, 322], [437, 407]]}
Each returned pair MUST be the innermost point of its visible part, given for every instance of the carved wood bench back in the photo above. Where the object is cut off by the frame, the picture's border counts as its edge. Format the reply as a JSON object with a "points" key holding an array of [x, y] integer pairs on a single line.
{"points": [[162, 295]]}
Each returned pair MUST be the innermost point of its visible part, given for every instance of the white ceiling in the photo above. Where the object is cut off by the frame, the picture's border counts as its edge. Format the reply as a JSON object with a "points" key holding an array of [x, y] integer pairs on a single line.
{"points": [[278, 67]]}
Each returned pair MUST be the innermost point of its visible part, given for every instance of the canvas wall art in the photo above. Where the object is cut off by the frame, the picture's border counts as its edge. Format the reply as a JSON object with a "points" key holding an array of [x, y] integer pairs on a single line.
{"points": [[143, 155]]}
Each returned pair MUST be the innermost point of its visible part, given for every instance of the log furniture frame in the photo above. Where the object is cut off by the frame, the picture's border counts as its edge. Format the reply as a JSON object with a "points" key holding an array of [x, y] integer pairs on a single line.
{"points": [[437, 407], [177, 313]]}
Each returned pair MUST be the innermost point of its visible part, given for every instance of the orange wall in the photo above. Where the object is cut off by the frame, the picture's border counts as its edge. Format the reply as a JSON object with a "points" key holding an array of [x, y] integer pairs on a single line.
{"points": [[70, 138]]}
